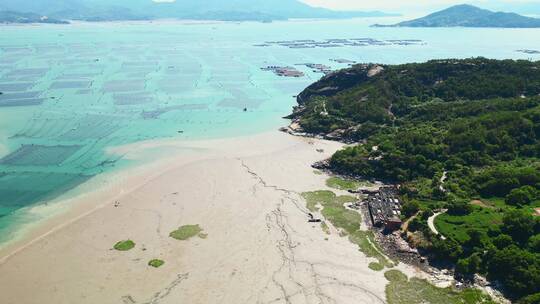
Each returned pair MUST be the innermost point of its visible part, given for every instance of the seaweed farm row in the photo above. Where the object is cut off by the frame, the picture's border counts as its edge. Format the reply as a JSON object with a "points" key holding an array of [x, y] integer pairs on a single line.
{"points": [[332, 43], [530, 52], [291, 71]]}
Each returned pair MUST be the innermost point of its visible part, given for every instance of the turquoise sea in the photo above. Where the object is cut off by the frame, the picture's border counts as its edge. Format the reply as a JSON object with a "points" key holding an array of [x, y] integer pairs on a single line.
{"points": [[71, 91]]}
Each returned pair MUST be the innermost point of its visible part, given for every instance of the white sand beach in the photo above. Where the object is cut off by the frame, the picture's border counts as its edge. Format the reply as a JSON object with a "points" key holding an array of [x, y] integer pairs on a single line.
{"points": [[244, 193]]}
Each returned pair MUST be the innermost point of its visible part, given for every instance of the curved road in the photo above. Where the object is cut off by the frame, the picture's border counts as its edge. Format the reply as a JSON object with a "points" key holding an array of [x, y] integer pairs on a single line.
{"points": [[431, 223]]}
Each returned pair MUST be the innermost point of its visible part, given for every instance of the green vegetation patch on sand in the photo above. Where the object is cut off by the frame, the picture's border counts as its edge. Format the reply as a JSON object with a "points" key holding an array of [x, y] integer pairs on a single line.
{"points": [[367, 244], [340, 217], [401, 290], [323, 197], [156, 263], [186, 232], [375, 266], [124, 245], [348, 221], [342, 184], [395, 275]]}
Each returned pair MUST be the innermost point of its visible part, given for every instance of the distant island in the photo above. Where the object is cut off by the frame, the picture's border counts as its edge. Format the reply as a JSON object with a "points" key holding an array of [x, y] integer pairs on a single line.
{"points": [[469, 16], [16, 17], [242, 10]]}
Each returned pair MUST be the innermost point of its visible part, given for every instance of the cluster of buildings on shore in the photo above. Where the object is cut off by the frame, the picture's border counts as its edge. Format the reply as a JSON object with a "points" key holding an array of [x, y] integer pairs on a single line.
{"points": [[384, 207], [331, 43]]}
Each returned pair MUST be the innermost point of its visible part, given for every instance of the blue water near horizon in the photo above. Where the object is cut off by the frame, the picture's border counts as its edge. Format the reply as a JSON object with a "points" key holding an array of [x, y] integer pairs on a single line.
{"points": [[75, 90]]}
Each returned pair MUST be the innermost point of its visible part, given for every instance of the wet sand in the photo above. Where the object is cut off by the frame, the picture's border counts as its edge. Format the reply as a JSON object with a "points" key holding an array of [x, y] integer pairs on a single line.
{"points": [[244, 193]]}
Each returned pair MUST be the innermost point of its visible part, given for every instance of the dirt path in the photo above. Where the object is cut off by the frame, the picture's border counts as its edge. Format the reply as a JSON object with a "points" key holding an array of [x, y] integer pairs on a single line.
{"points": [[431, 223]]}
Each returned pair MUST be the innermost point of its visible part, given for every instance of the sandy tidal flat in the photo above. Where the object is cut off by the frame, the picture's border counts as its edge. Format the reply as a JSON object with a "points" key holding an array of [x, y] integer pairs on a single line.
{"points": [[244, 194]]}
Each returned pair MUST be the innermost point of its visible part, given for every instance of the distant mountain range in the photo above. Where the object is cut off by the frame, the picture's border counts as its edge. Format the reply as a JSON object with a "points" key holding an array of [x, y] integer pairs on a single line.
{"points": [[470, 16], [15, 17], [230, 10]]}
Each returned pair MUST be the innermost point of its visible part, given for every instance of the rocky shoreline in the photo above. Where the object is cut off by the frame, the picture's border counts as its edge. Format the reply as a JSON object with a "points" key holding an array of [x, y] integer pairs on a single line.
{"points": [[294, 128]]}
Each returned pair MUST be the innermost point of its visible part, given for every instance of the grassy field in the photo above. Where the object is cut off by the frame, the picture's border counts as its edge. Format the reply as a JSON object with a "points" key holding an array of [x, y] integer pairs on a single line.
{"points": [[481, 218], [367, 244], [186, 232], [485, 213], [498, 202], [395, 275], [348, 221], [324, 198], [124, 245], [401, 290], [426, 204], [341, 217]]}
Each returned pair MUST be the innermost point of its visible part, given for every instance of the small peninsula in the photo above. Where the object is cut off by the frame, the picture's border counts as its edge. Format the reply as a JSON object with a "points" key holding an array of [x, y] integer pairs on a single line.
{"points": [[465, 15]]}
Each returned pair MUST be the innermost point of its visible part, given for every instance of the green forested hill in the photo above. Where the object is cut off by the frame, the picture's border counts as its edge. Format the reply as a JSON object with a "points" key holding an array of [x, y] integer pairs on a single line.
{"points": [[381, 93], [462, 135], [470, 16]]}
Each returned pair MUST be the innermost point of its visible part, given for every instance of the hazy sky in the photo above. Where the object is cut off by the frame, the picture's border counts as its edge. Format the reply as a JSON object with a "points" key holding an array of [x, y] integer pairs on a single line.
{"points": [[416, 5]]}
